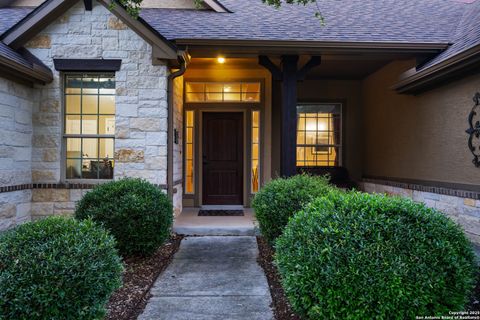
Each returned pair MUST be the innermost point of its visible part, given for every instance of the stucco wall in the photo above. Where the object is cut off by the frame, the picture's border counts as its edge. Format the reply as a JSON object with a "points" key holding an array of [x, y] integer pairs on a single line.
{"points": [[141, 100], [418, 137], [16, 105], [326, 91]]}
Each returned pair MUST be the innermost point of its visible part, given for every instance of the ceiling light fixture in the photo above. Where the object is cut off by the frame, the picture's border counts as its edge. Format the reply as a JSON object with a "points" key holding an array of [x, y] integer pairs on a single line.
{"points": [[221, 60]]}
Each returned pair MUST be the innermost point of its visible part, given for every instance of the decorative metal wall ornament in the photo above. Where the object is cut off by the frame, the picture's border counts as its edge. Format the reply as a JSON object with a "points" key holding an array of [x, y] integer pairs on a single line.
{"points": [[474, 130]]}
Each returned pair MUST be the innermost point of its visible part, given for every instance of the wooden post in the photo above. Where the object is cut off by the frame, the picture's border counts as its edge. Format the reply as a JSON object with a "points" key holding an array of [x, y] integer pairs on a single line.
{"points": [[288, 148], [289, 74]]}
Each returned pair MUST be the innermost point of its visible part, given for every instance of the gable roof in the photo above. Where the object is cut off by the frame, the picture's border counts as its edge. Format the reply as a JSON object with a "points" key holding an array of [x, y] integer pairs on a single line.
{"points": [[33, 22], [19, 25]]}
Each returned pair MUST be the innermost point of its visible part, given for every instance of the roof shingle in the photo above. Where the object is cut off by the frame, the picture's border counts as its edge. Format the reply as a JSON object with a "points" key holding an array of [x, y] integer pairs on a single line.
{"points": [[405, 21], [10, 16], [466, 35]]}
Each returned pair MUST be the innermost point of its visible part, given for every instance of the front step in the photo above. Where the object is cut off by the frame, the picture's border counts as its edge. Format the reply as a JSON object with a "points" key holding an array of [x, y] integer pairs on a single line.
{"points": [[190, 224], [214, 231]]}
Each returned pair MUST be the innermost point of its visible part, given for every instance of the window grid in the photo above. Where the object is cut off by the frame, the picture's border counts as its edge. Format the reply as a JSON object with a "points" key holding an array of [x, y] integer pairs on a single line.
{"points": [[223, 92], [189, 152], [318, 138], [85, 93], [255, 151]]}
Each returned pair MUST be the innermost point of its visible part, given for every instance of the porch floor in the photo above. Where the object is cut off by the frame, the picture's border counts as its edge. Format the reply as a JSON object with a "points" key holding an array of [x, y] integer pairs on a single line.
{"points": [[189, 223]]}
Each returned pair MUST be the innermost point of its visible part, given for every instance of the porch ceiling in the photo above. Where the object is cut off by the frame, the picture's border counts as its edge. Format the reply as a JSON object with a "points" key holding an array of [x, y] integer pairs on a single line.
{"points": [[332, 66]]}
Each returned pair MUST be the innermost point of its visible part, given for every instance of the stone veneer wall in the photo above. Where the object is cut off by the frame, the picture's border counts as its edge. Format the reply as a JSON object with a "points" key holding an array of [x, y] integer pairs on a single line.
{"points": [[141, 102], [16, 105], [54, 201], [462, 206]]}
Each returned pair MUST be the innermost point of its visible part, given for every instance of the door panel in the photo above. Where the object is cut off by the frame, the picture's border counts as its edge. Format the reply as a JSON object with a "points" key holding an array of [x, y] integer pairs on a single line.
{"points": [[222, 158]]}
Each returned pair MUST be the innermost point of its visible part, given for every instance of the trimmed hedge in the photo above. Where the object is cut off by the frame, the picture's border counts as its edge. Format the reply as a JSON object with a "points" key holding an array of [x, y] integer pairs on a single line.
{"points": [[362, 256], [138, 214], [57, 268], [281, 198]]}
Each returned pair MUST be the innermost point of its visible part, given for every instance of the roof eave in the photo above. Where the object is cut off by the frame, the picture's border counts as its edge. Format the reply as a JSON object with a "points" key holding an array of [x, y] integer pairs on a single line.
{"points": [[415, 82], [216, 6], [285, 47], [34, 74]]}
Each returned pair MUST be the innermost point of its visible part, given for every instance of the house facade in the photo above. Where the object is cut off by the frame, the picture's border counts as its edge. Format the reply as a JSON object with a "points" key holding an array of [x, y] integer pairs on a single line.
{"points": [[209, 103]]}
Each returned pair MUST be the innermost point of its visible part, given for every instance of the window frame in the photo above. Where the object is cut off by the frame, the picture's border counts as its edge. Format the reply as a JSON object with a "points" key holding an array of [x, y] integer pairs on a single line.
{"points": [[240, 83], [259, 146], [65, 136], [184, 156], [340, 146]]}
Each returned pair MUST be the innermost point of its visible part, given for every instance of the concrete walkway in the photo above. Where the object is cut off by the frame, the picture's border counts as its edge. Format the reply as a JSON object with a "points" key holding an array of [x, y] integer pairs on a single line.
{"points": [[212, 278]]}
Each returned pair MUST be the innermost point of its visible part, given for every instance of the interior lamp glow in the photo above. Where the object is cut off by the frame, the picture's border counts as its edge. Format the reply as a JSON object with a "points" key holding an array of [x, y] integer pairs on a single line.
{"points": [[221, 60]]}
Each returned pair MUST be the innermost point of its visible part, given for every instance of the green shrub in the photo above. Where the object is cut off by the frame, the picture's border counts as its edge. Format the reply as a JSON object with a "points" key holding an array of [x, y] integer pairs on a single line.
{"points": [[138, 214], [281, 198], [361, 256], [57, 268]]}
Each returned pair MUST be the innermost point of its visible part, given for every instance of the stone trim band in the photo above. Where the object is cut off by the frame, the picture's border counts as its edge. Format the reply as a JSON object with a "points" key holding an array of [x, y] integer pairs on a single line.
{"points": [[28, 186], [450, 189]]}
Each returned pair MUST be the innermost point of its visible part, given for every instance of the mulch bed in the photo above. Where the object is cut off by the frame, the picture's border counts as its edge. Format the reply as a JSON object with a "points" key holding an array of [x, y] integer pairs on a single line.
{"points": [[128, 302], [281, 307], [474, 304]]}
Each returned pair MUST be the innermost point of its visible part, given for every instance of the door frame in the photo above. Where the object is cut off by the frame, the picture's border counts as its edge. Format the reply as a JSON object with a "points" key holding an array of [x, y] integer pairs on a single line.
{"points": [[197, 196], [196, 199], [201, 143]]}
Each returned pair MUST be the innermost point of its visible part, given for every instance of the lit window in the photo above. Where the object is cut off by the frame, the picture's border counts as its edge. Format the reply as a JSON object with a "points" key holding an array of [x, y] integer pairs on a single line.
{"points": [[89, 126], [222, 92], [255, 151], [189, 152], [319, 135]]}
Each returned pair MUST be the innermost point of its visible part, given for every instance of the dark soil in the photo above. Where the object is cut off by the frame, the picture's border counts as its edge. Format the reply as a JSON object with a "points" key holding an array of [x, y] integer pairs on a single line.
{"points": [[281, 307], [140, 274], [474, 304]]}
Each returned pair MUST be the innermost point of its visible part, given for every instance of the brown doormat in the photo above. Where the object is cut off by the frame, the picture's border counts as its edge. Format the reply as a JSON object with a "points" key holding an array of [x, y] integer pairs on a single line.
{"points": [[220, 213]]}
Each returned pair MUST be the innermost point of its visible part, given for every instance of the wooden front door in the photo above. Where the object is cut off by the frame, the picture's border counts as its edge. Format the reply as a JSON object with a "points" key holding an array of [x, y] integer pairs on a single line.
{"points": [[222, 158]]}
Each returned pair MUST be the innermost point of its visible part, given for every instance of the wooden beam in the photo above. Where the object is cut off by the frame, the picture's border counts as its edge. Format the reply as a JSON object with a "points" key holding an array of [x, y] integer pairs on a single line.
{"points": [[265, 62], [288, 157], [312, 63], [88, 5]]}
